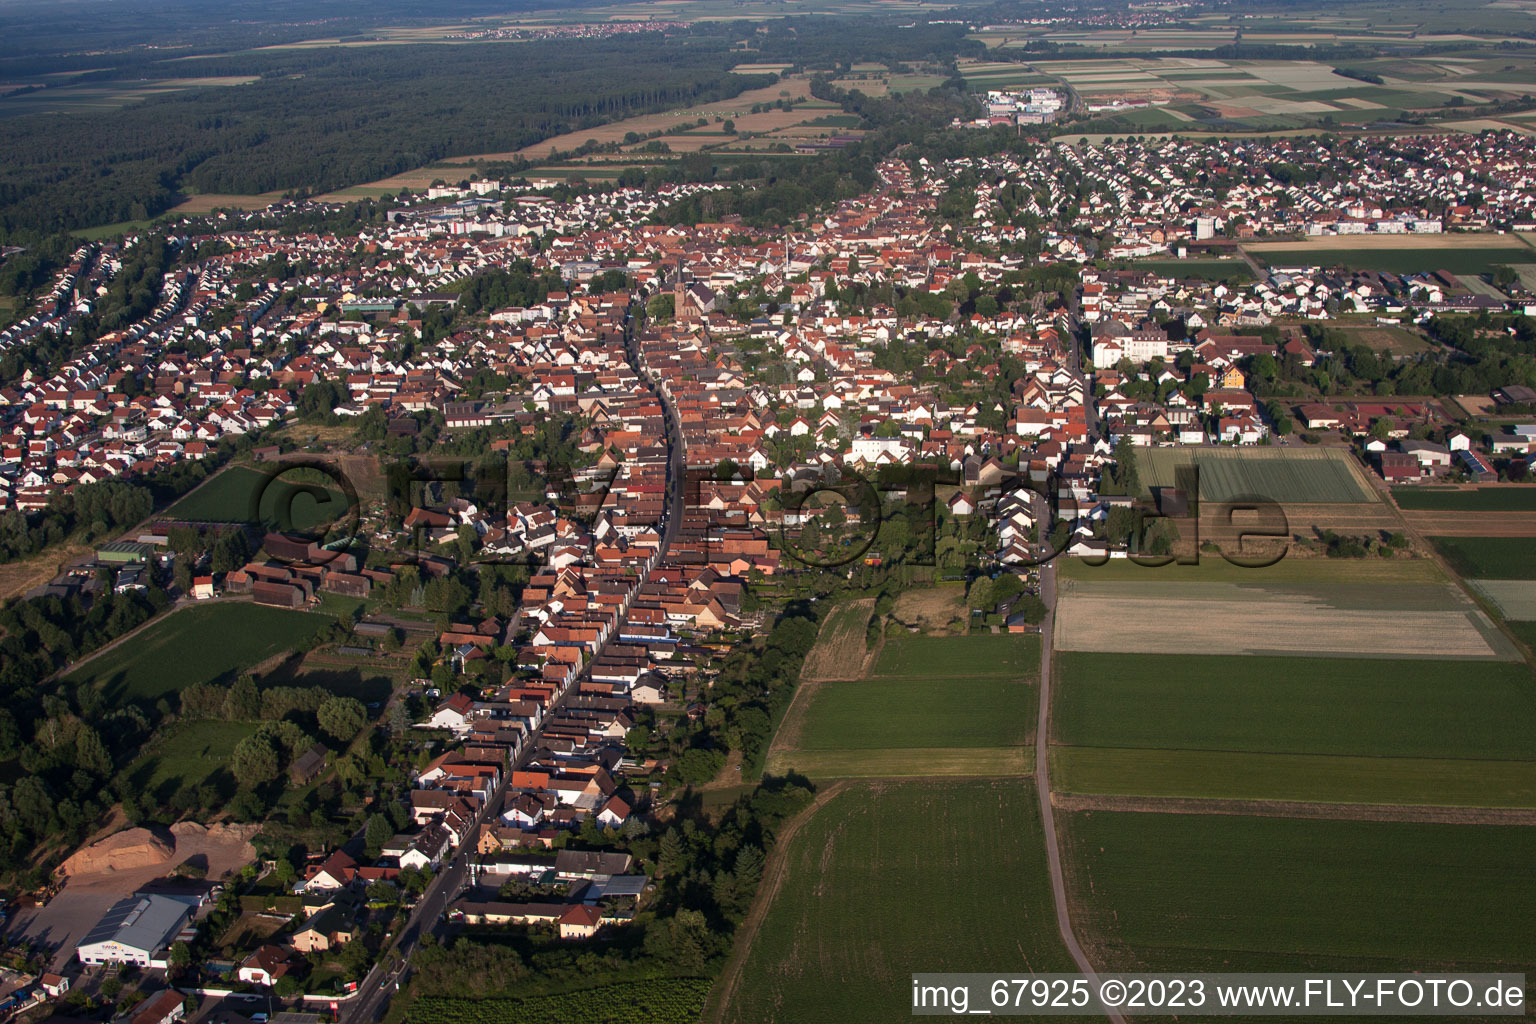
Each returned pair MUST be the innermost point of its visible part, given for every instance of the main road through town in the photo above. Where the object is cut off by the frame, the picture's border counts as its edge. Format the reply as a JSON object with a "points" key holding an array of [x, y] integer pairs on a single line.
{"points": [[372, 998]]}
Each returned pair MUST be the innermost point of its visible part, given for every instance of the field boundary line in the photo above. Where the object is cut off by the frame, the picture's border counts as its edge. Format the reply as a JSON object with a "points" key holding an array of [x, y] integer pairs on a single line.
{"points": [[774, 872], [1430, 814], [1043, 791]]}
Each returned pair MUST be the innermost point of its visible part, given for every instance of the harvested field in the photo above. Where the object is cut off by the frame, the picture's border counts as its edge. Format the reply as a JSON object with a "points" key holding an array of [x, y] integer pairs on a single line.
{"points": [[1394, 341], [840, 651], [1479, 524], [1516, 598], [737, 109], [1215, 569], [1435, 622], [1284, 475], [16, 578], [207, 202], [931, 608]]}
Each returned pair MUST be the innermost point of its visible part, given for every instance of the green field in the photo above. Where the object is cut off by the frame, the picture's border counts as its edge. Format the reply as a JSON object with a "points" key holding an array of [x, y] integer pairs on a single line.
{"points": [[1400, 261], [1285, 475], [1290, 705], [995, 655], [953, 711], [227, 498], [198, 644], [1495, 558], [1206, 270], [1192, 892], [189, 756], [1476, 499], [887, 879], [1310, 778], [961, 705]]}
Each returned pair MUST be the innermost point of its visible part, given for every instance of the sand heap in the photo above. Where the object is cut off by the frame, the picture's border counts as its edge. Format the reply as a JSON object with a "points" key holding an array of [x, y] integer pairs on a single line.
{"points": [[131, 848]]}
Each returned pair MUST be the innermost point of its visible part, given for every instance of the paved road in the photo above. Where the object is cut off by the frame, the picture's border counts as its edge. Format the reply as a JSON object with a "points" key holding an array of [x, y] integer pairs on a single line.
{"points": [[1043, 786], [676, 475], [373, 994]]}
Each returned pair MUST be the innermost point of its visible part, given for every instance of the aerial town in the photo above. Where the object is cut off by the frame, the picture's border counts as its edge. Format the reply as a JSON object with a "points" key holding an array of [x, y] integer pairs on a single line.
{"points": [[540, 591]]}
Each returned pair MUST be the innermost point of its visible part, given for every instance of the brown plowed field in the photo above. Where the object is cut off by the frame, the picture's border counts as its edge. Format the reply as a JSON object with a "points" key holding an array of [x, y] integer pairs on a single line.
{"points": [[1473, 524]]}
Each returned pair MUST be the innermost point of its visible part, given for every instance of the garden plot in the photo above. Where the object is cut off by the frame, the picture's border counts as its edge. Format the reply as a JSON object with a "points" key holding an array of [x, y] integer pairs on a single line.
{"points": [[1340, 620]]}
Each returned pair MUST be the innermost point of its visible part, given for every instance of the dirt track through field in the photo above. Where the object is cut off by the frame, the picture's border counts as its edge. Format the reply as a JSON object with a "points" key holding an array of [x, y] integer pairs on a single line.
{"points": [[1297, 809], [1472, 524], [774, 872]]}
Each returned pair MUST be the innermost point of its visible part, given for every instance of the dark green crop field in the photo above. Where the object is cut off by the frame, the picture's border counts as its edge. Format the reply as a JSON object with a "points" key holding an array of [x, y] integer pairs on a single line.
{"points": [[1191, 892], [887, 879], [1390, 708]]}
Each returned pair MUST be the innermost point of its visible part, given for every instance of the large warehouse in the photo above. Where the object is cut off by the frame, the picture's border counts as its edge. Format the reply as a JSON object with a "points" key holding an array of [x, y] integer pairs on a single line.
{"points": [[137, 930]]}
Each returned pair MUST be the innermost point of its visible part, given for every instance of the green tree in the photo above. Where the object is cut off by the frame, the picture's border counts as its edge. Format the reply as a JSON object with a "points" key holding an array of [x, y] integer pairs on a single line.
{"points": [[342, 718], [255, 760], [378, 832], [243, 702]]}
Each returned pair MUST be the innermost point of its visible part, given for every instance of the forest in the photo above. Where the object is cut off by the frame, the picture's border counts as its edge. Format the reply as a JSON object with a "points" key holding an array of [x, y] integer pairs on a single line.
{"points": [[316, 120]]}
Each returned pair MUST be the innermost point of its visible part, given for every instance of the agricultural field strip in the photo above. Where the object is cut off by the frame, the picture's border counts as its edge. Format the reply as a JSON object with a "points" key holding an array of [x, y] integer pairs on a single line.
{"points": [[1230, 704], [889, 878], [1295, 809], [1516, 599], [1429, 622], [1183, 891], [905, 762], [1311, 778], [1283, 475]]}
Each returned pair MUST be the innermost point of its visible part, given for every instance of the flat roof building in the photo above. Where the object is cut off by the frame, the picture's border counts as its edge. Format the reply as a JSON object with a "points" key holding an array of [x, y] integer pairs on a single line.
{"points": [[137, 930]]}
